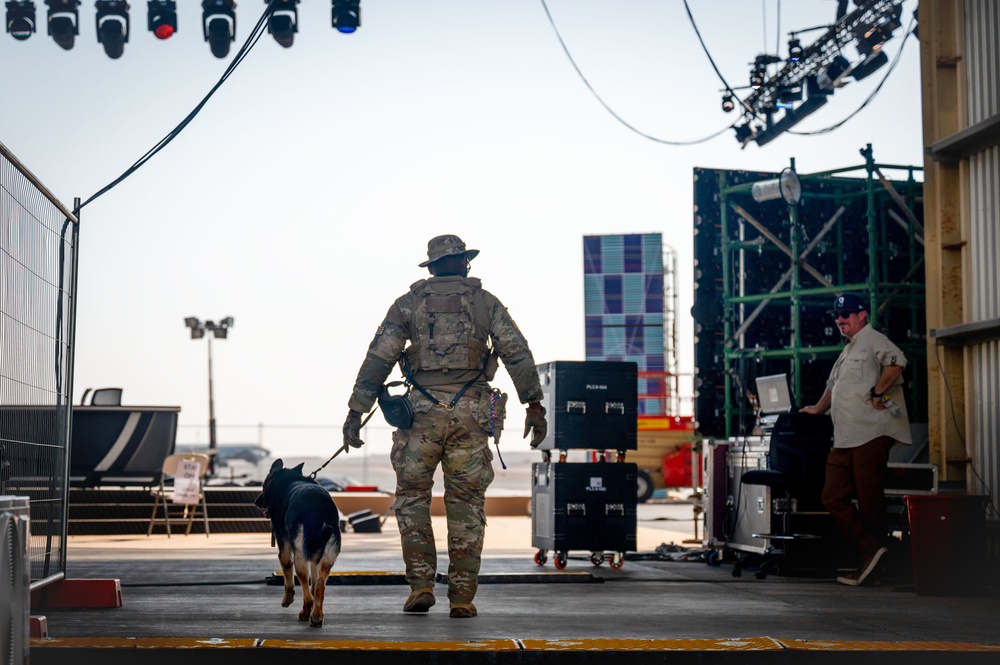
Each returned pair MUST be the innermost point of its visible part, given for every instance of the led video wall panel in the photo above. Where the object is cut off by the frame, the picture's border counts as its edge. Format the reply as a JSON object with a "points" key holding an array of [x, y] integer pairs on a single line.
{"points": [[624, 309]]}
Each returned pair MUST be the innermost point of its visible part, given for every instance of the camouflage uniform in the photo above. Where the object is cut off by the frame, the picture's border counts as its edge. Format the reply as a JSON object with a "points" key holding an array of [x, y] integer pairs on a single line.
{"points": [[457, 439]]}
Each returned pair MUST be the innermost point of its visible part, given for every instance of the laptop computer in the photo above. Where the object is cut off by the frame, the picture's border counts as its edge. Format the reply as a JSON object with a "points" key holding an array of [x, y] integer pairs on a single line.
{"points": [[774, 398]]}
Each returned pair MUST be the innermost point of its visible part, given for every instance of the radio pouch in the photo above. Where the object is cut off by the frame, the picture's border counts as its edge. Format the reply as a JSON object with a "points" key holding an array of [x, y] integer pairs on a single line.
{"points": [[396, 409]]}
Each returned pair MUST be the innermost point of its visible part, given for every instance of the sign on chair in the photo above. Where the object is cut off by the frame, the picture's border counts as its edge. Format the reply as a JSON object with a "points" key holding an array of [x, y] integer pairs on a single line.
{"points": [[187, 482]]}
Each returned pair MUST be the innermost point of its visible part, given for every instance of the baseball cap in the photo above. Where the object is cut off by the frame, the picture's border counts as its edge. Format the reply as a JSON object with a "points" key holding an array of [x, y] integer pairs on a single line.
{"points": [[439, 247], [849, 303]]}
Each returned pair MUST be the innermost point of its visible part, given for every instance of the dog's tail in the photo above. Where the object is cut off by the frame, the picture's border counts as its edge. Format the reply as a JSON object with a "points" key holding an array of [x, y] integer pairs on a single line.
{"points": [[330, 536]]}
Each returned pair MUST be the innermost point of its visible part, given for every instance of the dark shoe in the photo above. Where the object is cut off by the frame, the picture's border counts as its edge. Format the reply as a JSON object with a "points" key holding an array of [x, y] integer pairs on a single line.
{"points": [[420, 600], [867, 574], [463, 611]]}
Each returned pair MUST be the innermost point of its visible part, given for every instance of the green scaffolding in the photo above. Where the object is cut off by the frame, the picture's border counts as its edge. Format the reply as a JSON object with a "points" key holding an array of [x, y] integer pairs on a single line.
{"points": [[894, 236]]}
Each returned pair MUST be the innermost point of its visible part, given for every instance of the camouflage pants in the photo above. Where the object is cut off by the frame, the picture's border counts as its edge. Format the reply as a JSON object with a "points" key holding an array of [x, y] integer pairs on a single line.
{"points": [[457, 441]]}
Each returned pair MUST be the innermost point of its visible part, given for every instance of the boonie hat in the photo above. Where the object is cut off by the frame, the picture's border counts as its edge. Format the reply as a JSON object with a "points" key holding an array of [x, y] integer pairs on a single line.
{"points": [[849, 302], [447, 245]]}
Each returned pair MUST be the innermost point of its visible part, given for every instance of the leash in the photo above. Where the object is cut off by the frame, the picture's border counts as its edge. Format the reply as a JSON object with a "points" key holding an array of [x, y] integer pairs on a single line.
{"points": [[344, 447], [339, 450]]}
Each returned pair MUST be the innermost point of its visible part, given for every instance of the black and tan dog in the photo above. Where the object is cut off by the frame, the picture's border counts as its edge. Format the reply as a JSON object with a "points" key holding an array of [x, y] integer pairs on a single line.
{"points": [[306, 526]]}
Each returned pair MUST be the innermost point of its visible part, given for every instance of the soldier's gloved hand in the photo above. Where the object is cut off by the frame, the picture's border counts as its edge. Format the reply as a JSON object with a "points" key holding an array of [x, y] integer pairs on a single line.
{"points": [[352, 431], [534, 422]]}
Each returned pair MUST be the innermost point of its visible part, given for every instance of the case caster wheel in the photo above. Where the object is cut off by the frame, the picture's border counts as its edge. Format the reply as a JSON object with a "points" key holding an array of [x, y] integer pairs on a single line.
{"points": [[597, 558], [560, 561], [737, 570], [540, 557], [617, 560], [760, 575], [713, 559]]}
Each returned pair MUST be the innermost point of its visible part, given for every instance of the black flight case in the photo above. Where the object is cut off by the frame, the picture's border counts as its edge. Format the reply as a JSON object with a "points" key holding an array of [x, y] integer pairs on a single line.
{"points": [[583, 506], [590, 506]]}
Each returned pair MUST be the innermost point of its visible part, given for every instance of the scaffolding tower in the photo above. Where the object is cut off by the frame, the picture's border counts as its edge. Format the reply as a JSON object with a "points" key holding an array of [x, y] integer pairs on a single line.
{"points": [[772, 253]]}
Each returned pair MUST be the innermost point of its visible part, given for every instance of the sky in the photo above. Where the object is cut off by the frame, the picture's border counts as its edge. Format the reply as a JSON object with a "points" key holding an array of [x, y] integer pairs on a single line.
{"points": [[300, 199]]}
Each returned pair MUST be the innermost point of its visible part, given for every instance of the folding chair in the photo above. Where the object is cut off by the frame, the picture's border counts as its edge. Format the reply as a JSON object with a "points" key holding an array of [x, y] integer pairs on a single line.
{"points": [[188, 471]]}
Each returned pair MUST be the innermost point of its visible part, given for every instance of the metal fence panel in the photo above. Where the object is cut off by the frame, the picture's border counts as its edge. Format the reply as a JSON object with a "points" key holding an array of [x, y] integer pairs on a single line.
{"points": [[38, 243]]}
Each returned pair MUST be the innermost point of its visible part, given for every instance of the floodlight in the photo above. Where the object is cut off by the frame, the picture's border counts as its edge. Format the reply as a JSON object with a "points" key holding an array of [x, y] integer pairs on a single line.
{"points": [[161, 18], [112, 26], [218, 22], [284, 21], [727, 103], [20, 19], [345, 15], [63, 21]]}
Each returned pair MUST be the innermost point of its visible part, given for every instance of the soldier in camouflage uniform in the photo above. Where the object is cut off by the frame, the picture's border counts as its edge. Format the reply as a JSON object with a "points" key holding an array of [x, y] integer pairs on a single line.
{"points": [[456, 330]]}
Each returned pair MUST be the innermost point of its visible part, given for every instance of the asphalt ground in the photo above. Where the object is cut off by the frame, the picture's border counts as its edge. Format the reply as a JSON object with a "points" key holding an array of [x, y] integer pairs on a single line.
{"points": [[213, 599]]}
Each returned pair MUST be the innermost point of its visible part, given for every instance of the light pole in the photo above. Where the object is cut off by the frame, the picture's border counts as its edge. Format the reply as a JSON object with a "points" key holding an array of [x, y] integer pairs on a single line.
{"points": [[220, 330]]}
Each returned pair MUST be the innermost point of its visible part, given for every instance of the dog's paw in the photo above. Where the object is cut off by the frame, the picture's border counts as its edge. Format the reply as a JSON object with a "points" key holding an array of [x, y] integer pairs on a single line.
{"points": [[287, 598]]}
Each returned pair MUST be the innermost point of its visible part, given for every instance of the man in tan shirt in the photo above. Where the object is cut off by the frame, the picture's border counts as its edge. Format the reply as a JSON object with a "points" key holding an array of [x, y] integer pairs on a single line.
{"points": [[866, 405]]}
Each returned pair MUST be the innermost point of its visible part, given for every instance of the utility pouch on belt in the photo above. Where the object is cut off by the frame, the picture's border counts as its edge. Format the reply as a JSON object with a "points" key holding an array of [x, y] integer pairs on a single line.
{"points": [[396, 409], [498, 411]]}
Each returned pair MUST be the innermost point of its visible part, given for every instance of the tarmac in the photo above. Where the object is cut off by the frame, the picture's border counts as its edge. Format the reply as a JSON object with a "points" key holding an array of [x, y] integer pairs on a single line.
{"points": [[197, 599]]}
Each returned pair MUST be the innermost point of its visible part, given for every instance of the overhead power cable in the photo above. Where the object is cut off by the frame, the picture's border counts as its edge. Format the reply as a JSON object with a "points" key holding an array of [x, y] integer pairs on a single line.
{"points": [[248, 45], [605, 105]]}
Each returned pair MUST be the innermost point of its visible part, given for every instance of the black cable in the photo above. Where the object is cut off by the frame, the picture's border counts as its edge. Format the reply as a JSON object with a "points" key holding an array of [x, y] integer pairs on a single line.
{"points": [[250, 42], [892, 66], [608, 108], [965, 447], [712, 62]]}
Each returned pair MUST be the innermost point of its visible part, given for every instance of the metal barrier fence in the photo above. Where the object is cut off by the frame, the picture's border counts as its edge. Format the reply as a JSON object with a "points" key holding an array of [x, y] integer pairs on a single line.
{"points": [[38, 259]]}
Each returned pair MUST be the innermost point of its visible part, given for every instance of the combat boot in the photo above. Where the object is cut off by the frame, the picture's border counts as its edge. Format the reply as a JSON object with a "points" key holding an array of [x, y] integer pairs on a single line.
{"points": [[420, 600]]}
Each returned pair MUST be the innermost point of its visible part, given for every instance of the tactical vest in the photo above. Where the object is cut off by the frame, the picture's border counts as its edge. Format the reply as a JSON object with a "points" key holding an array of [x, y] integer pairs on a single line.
{"points": [[443, 325]]}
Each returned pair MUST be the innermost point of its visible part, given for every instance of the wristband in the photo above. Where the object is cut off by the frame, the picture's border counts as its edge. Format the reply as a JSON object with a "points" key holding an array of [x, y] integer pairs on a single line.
{"points": [[875, 395]]}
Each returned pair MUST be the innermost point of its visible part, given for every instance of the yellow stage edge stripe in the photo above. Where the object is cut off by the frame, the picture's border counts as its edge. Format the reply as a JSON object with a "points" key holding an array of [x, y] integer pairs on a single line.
{"points": [[511, 644]]}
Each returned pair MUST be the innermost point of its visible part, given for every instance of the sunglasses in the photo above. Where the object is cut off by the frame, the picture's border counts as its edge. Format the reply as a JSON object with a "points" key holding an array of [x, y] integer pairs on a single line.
{"points": [[842, 315]]}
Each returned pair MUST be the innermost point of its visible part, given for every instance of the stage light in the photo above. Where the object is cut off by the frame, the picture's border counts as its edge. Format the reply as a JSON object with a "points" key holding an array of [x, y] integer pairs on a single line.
{"points": [[759, 72], [744, 133], [218, 23], [63, 21], [112, 26], [284, 21], [20, 19], [345, 15], [830, 77], [868, 66], [789, 96], [161, 18], [727, 103], [794, 49]]}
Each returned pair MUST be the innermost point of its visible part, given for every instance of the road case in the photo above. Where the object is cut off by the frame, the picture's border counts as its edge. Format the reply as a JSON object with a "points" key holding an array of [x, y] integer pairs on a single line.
{"points": [[587, 506], [590, 404]]}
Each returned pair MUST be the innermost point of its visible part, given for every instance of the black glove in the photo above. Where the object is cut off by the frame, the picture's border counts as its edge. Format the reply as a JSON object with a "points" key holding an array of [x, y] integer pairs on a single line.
{"points": [[352, 431], [535, 420]]}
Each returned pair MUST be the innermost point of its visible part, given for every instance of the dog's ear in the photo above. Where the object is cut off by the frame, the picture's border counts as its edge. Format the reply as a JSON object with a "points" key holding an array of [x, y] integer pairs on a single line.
{"points": [[298, 468], [277, 464]]}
